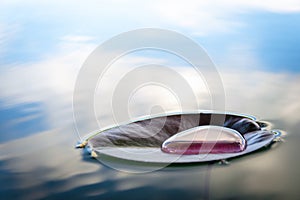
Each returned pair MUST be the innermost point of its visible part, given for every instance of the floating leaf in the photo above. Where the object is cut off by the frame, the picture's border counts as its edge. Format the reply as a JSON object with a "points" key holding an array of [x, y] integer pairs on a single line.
{"points": [[152, 139]]}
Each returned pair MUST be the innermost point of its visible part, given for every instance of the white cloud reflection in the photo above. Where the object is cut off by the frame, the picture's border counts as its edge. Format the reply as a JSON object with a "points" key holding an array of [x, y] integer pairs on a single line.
{"points": [[77, 38], [197, 17], [268, 95], [204, 17]]}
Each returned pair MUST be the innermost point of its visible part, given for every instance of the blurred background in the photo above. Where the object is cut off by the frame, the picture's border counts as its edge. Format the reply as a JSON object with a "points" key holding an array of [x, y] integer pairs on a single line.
{"points": [[255, 46]]}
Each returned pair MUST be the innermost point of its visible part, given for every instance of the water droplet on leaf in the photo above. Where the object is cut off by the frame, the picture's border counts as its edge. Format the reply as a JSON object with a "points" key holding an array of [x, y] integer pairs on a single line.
{"points": [[205, 139]]}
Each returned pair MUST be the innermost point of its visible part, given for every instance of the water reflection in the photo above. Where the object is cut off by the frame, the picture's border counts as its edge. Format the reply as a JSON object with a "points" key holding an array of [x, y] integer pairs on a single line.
{"points": [[43, 162], [21, 120], [37, 133], [38, 158], [46, 165]]}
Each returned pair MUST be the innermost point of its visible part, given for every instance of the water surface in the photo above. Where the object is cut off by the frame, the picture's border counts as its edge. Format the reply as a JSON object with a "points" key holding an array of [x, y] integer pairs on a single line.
{"points": [[42, 47]]}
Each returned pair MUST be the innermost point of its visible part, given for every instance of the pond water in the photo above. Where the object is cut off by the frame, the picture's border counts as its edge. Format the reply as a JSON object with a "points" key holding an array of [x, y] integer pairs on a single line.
{"points": [[42, 47], [38, 159]]}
